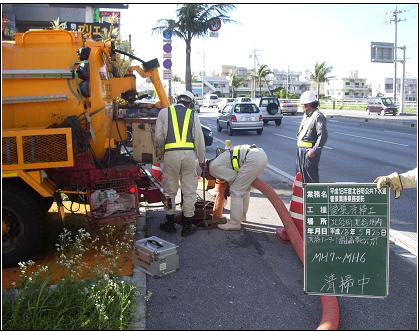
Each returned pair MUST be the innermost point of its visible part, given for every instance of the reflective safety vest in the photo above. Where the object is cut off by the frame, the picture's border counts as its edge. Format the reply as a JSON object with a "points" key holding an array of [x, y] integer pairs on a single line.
{"points": [[302, 131], [235, 156], [173, 139]]}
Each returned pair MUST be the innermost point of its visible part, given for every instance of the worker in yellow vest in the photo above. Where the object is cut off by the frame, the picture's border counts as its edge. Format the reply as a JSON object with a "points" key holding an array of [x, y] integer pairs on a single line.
{"points": [[311, 137], [239, 166], [179, 132]]}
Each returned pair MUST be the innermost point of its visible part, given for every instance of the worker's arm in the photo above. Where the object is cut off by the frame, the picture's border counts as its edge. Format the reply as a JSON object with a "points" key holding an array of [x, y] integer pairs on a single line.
{"points": [[199, 139], [161, 128], [398, 182], [321, 130]]}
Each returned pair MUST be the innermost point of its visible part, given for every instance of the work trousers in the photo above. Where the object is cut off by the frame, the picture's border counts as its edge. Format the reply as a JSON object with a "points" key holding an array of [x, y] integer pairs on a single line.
{"points": [[309, 167], [180, 165], [240, 181]]}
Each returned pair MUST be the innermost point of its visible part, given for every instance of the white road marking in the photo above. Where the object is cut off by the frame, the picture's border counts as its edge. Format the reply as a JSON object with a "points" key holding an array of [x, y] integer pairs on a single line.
{"points": [[397, 132], [325, 147], [372, 139]]}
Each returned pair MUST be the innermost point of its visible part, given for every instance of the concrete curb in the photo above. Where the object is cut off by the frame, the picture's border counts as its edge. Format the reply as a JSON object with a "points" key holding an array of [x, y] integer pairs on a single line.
{"points": [[140, 282], [408, 123]]}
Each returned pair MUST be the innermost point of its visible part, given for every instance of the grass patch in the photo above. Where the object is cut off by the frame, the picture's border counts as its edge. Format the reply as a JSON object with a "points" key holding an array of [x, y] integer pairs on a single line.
{"points": [[88, 292], [101, 305]]}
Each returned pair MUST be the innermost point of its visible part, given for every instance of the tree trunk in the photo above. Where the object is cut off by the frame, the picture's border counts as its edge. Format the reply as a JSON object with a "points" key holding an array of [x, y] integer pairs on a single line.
{"points": [[318, 90], [188, 75]]}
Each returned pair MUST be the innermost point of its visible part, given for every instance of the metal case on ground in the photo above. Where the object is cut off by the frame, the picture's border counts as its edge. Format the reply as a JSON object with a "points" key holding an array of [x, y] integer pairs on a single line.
{"points": [[155, 256]]}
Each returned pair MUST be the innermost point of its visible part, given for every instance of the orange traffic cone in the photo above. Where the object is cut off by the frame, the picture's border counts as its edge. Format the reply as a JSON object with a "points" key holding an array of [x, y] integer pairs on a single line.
{"points": [[156, 172], [296, 208]]}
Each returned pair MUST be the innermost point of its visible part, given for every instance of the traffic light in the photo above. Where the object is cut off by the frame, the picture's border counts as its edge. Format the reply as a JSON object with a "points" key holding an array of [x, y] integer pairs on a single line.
{"points": [[83, 71]]}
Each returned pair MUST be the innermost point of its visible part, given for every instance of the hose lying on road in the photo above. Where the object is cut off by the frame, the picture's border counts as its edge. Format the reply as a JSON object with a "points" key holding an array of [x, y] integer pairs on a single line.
{"points": [[330, 306]]}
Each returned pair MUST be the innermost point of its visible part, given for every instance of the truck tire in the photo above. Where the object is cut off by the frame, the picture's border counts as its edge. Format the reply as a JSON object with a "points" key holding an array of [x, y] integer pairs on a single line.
{"points": [[272, 108], [278, 122], [218, 127], [23, 225]]}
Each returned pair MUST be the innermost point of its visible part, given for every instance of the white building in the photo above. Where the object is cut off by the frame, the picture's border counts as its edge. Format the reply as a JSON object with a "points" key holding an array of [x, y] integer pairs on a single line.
{"points": [[410, 88], [347, 87]]}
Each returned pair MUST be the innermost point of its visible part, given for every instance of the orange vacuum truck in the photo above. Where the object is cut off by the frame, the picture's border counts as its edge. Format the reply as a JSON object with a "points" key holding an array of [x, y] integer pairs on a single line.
{"points": [[65, 114]]}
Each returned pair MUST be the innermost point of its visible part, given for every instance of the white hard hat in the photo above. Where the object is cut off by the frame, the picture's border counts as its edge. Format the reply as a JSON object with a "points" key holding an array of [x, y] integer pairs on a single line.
{"points": [[307, 98], [188, 94]]}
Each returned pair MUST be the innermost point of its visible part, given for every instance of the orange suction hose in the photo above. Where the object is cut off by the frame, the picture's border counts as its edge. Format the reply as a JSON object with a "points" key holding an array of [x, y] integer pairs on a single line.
{"points": [[330, 305]]}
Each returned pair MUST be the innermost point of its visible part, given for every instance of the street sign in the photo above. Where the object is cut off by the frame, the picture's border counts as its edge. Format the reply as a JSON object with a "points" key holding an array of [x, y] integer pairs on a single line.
{"points": [[214, 24], [346, 234], [167, 74], [167, 34], [213, 34], [167, 63], [382, 52], [167, 48], [167, 55]]}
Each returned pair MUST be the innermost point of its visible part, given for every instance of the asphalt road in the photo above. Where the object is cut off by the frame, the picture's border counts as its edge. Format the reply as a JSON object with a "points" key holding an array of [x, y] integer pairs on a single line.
{"points": [[355, 152]]}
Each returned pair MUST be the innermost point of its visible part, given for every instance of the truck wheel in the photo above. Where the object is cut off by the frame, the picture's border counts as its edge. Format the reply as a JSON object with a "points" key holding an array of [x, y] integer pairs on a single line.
{"points": [[265, 121], [259, 131], [278, 122], [23, 225], [218, 127]]}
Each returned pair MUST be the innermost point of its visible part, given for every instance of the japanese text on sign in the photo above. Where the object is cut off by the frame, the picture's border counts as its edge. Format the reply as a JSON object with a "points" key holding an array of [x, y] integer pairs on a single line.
{"points": [[346, 239]]}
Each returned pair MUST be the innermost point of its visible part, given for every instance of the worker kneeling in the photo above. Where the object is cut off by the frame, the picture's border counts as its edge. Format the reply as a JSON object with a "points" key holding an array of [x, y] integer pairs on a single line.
{"points": [[239, 167]]}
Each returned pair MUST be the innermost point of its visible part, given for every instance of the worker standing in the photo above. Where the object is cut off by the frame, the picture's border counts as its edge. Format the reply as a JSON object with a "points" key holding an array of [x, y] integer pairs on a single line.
{"points": [[311, 137], [179, 132], [239, 166]]}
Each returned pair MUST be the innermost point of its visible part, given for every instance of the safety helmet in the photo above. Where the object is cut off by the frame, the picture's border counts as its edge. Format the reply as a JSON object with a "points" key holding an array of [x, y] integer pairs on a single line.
{"points": [[186, 96], [307, 98]]}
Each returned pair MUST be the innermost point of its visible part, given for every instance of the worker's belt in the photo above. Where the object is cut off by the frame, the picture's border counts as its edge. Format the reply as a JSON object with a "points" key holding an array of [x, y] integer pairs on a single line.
{"points": [[235, 156], [302, 144]]}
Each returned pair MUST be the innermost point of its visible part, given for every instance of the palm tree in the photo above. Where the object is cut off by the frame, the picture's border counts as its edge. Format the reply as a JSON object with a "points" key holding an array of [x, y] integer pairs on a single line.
{"points": [[260, 75], [235, 82], [56, 25], [192, 21], [320, 75]]}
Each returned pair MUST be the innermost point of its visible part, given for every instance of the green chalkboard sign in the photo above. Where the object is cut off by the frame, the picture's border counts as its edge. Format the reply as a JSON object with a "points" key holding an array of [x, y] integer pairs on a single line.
{"points": [[346, 232]]}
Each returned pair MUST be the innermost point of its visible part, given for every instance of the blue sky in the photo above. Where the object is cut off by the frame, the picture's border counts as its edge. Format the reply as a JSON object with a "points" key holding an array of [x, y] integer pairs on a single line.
{"points": [[294, 35]]}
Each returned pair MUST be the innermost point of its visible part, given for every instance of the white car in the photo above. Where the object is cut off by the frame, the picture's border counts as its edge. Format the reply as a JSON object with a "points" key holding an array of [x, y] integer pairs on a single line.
{"points": [[210, 100], [271, 111], [243, 100], [287, 106]]}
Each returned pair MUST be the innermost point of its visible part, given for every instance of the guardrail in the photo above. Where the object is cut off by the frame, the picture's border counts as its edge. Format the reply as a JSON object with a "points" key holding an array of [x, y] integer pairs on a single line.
{"points": [[356, 103]]}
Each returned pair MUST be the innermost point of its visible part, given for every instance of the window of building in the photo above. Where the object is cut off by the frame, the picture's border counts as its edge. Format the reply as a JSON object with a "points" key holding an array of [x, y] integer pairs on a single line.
{"points": [[347, 83], [346, 93], [357, 84], [389, 86]]}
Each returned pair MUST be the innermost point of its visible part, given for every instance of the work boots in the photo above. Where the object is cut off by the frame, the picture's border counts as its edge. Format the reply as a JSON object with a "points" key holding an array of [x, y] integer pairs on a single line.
{"points": [[230, 226], [188, 228], [169, 225]]}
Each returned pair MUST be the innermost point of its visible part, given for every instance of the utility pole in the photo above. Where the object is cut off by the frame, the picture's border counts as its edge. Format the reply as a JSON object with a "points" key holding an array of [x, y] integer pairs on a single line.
{"points": [[254, 55], [288, 73], [395, 19]]}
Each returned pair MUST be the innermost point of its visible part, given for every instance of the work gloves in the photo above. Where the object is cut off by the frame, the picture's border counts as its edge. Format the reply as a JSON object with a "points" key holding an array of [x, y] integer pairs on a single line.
{"points": [[392, 180]]}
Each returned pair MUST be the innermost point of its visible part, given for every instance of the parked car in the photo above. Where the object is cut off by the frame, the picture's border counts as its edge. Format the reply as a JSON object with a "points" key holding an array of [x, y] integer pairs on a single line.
{"points": [[240, 116], [210, 100], [243, 99], [382, 105], [223, 102], [287, 106], [270, 109], [207, 135]]}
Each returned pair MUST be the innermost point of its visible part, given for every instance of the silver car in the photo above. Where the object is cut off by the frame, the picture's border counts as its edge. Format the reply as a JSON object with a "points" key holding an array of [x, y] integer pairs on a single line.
{"points": [[240, 116]]}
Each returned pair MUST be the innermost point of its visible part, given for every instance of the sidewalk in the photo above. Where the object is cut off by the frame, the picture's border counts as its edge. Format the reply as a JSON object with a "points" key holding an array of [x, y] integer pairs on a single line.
{"points": [[250, 280]]}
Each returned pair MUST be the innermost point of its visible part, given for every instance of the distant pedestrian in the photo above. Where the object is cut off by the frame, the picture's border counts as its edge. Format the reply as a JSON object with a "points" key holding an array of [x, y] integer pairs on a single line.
{"points": [[179, 132], [311, 137], [239, 166]]}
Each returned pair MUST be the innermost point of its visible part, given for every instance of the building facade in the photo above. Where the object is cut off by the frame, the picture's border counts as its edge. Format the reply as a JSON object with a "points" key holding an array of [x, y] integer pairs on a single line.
{"points": [[347, 87], [410, 88]]}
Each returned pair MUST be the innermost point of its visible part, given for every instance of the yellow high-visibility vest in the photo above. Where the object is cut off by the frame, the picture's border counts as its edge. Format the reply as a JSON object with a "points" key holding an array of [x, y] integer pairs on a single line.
{"points": [[303, 130], [235, 158], [180, 142]]}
